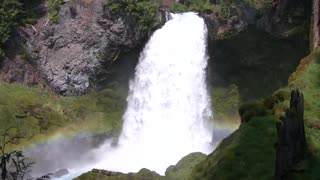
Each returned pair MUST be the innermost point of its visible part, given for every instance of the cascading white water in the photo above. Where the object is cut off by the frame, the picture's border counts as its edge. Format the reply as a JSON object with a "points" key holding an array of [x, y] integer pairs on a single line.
{"points": [[168, 103]]}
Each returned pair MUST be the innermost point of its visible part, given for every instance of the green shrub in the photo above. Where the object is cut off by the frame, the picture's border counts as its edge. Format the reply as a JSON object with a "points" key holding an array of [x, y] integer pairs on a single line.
{"points": [[192, 5], [53, 10], [10, 13], [144, 11]]}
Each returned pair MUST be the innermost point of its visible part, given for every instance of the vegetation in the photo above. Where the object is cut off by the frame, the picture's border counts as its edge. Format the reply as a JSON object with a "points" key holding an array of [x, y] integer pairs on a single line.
{"points": [[306, 78], [192, 5], [225, 104], [19, 12], [223, 8], [249, 152], [182, 170], [13, 165], [38, 113], [144, 11], [53, 10], [105, 175], [10, 13]]}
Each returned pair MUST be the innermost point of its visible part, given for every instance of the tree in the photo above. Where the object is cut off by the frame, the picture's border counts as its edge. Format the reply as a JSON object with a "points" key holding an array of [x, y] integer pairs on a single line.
{"points": [[13, 164], [10, 12]]}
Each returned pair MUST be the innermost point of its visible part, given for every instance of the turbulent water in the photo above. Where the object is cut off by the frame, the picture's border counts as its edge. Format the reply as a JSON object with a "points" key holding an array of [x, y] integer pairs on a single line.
{"points": [[168, 104]]}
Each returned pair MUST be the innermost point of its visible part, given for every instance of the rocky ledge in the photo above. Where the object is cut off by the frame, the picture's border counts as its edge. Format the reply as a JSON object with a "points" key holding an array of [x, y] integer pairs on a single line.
{"points": [[82, 45]]}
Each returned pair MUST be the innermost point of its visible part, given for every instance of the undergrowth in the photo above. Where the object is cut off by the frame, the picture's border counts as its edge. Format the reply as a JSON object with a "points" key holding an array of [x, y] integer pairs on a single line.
{"points": [[38, 114]]}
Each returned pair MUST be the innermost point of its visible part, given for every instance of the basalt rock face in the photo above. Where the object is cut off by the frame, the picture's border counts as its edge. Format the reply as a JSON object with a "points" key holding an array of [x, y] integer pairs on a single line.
{"points": [[286, 18], [291, 144], [82, 45], [224, 28], [281, 19]]}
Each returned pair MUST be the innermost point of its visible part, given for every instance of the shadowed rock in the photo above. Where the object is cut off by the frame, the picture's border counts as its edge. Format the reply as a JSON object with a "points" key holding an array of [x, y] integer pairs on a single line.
{"points": [[290, 148]]}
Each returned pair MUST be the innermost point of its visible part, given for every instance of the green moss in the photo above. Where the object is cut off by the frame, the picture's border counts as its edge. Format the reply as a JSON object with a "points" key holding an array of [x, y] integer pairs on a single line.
{"points": [[307, 79], [182, 170], [143, 174], [252, 109], [225, 103], [39, 114], [247, 154]]}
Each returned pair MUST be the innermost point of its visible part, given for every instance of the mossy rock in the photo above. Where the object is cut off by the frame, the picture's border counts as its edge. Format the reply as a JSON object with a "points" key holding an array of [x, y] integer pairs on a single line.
{"points": [[182, 170], [95, 174], [277, 97], [252, 109], [248, 153]]}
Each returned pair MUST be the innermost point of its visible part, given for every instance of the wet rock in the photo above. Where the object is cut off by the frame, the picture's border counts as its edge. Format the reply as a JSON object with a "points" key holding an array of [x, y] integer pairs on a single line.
{"points": [[224, 28], [291, 145], [87, 40]]}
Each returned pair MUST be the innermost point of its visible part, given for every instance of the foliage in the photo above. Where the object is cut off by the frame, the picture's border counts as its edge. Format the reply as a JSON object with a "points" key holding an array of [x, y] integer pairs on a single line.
{"points": [[53, 10], [10, 13], [144, 11], [258, 4], [14, 13], [39, 113], [13, 164], [192, 5], [30, 12]]}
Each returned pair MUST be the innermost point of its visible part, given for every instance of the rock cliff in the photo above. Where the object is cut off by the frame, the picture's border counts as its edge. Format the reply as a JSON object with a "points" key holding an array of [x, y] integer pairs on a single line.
{"points": [[86, 40]]}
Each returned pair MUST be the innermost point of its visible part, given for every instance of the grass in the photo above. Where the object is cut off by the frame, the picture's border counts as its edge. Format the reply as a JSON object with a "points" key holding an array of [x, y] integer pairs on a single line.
{"points": [[39, 114], [53, 10]]}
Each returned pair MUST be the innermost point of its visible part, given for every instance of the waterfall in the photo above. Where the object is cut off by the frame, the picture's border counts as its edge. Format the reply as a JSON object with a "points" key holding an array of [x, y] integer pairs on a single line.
{"points": [[169, 107]]}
